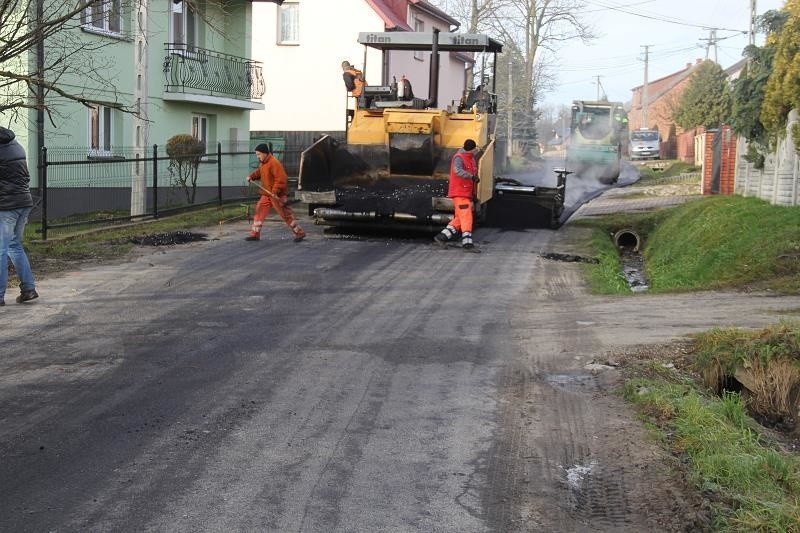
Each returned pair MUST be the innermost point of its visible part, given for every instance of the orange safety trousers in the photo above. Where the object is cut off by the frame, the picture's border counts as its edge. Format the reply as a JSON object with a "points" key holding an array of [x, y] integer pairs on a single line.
{"points": [[462, 221], [282, 208]]}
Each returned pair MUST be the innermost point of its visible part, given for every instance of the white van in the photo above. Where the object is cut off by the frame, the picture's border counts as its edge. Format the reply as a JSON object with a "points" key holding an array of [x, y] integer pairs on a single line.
{"points": [[644, 144]]}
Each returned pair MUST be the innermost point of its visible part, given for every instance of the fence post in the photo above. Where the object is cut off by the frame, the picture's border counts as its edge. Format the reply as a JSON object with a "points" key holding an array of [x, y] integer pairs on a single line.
{"points": [[43, 185], [155, 181], [219, 173]]}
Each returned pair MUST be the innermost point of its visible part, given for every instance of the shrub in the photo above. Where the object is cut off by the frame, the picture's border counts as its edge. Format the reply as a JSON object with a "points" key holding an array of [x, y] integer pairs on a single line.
{"points": [[185, 152]]}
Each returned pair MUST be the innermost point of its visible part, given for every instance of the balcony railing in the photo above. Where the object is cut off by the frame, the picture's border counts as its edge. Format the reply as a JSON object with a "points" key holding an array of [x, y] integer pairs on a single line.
{"points": [[189, 69]]}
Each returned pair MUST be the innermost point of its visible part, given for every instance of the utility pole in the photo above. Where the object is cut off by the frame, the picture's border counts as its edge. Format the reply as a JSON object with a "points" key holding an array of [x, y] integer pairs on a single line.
{"points": [[598, 87], [39, 90], [752, 34], [712, 41], [510, 107], [644, 86]]}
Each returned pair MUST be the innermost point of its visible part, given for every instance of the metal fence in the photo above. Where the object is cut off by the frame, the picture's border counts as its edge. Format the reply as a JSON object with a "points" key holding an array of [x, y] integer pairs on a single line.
{"points": [[80, 190]]}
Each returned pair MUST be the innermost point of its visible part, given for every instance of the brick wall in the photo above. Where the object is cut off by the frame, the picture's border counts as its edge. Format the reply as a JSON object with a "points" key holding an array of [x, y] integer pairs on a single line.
{"points": [[685, 145], [727, 161]]}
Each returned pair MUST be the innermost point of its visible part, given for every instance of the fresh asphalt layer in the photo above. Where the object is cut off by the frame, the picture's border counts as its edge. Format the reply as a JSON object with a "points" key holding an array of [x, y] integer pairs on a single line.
{"points": [[335, 384]]}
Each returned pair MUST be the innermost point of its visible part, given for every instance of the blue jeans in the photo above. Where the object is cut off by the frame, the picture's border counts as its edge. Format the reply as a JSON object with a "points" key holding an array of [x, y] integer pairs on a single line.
{"points": [[12, 226]]}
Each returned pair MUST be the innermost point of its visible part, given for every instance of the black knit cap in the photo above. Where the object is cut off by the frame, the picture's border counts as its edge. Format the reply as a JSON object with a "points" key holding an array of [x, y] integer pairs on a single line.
{"points": [[469, 144], [263, 148]]}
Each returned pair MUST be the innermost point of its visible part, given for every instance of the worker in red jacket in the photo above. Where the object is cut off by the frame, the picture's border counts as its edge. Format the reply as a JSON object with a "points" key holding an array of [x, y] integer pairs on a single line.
{"points": [[274, 193], [463, 180]]}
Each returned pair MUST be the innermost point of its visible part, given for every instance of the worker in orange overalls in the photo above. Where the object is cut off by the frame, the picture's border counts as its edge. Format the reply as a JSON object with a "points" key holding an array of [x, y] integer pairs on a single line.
{"points": [[274, 193], [463, 180], [353, 79]]}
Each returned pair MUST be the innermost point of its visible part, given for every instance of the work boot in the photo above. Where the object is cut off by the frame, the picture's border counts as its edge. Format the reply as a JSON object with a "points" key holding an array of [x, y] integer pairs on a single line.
{"points": [[440, 239], [2, 303], [252, 237], [26, 296], [468, 246], [298, 238]]}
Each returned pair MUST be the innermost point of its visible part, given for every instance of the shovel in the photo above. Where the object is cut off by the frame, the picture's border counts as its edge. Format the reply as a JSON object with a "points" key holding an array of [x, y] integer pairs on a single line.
{"points": [[268, 192]]}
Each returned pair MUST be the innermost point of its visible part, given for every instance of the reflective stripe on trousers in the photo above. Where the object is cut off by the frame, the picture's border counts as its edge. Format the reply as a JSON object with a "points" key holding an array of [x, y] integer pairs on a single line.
{"points": [[284, 211]]}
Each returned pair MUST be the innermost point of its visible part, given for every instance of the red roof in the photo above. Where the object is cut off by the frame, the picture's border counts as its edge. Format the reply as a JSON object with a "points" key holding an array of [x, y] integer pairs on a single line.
{"points": [[390, 19], [393, 13]]}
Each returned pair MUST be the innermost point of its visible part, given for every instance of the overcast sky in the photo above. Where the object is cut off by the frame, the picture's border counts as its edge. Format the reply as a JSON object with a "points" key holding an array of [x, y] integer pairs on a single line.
{"points": [[676, 30]]}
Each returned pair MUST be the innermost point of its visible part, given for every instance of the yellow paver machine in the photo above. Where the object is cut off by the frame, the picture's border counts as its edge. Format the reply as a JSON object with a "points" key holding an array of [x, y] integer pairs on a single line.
{"points": [[393, 169]]}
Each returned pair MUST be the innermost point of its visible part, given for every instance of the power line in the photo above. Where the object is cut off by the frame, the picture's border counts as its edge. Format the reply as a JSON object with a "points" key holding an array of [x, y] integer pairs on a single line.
{"points": [[633, 63], [660, 18], [625, 5]]}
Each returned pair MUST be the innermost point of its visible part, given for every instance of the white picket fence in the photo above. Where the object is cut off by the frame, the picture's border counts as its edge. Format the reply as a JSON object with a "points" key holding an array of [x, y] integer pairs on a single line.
{"points": [[779, 181]]}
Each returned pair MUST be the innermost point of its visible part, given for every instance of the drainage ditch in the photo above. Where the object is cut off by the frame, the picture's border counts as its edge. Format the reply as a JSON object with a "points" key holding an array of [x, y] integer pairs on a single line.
{"points": [[629, 243]]}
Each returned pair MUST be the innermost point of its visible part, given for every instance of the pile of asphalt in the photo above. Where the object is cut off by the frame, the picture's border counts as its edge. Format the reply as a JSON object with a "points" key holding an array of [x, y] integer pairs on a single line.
{"points": [[170, 238]]}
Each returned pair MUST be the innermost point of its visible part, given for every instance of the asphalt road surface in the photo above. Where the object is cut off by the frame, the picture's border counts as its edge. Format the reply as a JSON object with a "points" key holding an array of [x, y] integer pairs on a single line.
{"points": [[333, 385], [580, 188]]}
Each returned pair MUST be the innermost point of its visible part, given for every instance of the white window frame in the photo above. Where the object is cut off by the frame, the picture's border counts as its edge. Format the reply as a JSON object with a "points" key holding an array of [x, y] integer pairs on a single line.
{"points": [[189, 34], [101, 131], [419, 25], [199, 129], [100, 17], [289, 33]]}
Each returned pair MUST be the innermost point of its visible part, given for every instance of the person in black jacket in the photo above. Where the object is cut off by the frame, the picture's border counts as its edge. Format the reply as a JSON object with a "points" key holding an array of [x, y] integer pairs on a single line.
{"points": [[16, 204]]}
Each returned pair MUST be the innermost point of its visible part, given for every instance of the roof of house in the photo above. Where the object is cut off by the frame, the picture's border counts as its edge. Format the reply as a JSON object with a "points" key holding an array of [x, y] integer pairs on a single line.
{"points": [[735, 70], [393, 13], [668, 82], [671, 80], [391, 20], [434, 11]]}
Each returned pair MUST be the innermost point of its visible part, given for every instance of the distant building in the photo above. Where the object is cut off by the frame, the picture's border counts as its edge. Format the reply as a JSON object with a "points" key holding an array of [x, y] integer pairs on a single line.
{"points": [[184, 67], [306, 41], [663, 96]]}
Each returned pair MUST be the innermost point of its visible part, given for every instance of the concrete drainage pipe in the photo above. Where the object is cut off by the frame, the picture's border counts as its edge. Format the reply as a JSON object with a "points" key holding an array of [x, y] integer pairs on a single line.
{"points": [[627, 238]]}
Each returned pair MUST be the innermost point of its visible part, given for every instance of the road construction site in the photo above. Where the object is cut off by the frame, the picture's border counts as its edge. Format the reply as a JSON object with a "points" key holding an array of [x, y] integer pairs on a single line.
{"points": [[343, 384]]}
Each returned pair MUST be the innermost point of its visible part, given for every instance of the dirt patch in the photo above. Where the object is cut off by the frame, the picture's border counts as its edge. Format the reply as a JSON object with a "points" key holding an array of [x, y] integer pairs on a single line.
{"points": [[600, 471], [569, 258], [651, 361]]}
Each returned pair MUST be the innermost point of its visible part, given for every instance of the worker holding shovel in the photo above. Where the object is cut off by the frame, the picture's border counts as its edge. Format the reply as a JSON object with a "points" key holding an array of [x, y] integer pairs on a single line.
{"points": [[274, 193]]}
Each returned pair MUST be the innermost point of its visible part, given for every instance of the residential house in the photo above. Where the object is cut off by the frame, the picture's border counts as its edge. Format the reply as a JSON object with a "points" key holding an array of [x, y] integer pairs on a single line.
{"points": [[182, 66], [663, 97], [305, 42]]}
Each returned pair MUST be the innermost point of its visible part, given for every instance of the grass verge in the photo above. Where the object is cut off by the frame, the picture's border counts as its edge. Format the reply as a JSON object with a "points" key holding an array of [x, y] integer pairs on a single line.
{"points": [[752, 480], [649, 176], [712, 243]]}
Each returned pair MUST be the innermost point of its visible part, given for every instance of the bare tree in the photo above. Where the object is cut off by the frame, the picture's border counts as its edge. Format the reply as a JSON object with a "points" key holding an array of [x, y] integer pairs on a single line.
{"points": [[535, 26], [476, 16], [528, 29], [43, 63]]}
